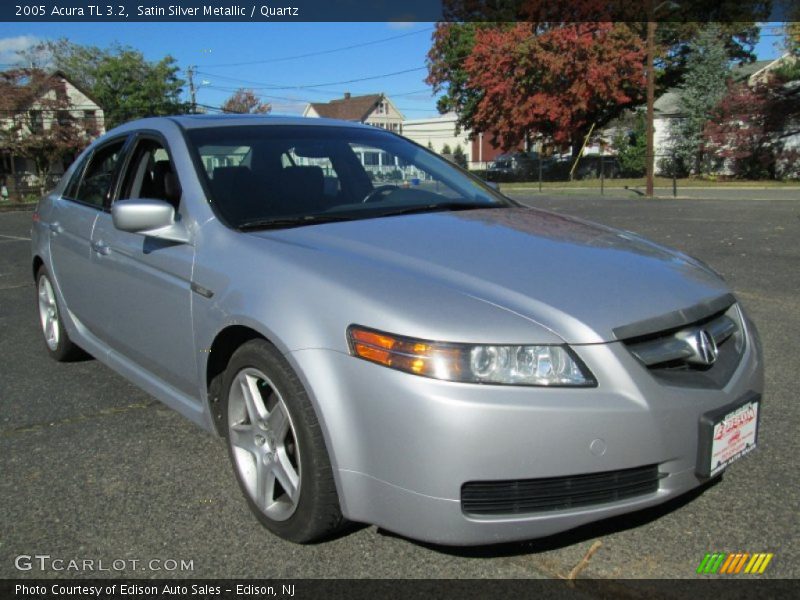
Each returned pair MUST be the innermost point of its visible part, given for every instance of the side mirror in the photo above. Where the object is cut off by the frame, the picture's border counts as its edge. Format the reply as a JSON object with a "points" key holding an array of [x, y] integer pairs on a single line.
{"points": [[154, 218]]}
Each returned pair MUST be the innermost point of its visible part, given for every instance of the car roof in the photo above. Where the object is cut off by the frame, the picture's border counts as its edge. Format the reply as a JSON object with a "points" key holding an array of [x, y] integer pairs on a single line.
{"points": [[206, 121], [202, 121]]}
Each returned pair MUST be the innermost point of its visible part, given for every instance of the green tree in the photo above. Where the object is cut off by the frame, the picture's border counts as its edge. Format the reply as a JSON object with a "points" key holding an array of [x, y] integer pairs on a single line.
{"points": [[704, 85], [630, 145], [791, 70], [459, 157], [120, 79], [452, 43], [446, 149]]}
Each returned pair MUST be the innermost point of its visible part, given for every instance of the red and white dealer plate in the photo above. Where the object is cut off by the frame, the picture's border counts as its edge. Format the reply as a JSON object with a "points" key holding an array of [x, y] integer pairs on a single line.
{"points": [[726, 435]]}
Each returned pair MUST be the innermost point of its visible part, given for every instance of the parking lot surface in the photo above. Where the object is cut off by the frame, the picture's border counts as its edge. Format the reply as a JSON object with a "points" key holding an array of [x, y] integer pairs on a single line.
{"points": [[93, 468]]}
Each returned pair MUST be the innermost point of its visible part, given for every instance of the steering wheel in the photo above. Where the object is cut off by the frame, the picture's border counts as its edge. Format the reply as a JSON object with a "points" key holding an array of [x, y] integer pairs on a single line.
{"points": [[376, 194]]}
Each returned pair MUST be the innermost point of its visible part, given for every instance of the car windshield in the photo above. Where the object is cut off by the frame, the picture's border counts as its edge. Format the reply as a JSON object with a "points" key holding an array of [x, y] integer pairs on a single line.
{"points": [[275, 176]]}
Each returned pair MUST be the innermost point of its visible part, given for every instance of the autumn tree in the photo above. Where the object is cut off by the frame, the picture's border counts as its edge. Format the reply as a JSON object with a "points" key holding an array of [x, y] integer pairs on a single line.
{"points": [[737, 135], [244, 101], [554, 82], [749, 130], [37, 122]]}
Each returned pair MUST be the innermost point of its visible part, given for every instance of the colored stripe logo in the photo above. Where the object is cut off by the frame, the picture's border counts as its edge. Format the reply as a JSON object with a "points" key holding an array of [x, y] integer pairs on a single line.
{"points": [[723, 563]]}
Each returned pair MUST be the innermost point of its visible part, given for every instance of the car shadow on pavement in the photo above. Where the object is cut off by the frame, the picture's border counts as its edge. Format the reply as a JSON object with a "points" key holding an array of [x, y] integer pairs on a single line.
{"points": [[578, 535]]}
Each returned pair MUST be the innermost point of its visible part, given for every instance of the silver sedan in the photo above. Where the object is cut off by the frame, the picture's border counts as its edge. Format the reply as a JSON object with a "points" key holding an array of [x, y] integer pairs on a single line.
{"points": [[381, 337]]}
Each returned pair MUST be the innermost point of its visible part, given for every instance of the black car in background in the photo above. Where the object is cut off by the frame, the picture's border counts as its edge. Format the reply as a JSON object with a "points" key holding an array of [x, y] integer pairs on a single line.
{"points": [[519, 166]]}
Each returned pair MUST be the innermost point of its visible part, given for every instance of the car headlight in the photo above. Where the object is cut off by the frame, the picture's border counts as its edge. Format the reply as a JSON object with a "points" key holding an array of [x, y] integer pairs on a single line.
{"points": [[543, 365]]}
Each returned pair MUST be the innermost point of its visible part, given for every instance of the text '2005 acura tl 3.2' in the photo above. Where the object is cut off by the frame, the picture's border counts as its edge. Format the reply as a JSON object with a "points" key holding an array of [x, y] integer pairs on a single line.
{"points": [[383, 338]]}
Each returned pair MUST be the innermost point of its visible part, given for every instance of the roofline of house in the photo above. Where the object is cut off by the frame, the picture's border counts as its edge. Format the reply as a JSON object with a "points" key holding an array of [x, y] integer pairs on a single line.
{"points": [[768, 65], [63, 75], [379, 97]]}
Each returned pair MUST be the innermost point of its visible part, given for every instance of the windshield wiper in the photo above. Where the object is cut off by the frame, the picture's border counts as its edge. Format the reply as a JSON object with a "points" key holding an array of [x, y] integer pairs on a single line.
{"points": [[287, 222], [436, 207]]}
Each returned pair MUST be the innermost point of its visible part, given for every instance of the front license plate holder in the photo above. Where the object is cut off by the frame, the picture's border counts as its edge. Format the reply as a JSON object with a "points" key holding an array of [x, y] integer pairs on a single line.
{"points": [[727, 434]]}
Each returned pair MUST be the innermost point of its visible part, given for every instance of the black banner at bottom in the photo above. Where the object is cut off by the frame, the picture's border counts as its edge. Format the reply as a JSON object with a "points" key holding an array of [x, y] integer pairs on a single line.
{"points": [[730, 588]]}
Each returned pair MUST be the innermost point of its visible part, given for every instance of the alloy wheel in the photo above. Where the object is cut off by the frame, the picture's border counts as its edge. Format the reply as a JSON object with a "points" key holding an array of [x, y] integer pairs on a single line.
{"points": [[48, 313], [264, 444]]}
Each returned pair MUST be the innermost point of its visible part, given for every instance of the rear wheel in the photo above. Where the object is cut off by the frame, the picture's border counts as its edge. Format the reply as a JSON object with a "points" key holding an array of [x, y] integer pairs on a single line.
{"points": [[58, 344], [276, 446]]}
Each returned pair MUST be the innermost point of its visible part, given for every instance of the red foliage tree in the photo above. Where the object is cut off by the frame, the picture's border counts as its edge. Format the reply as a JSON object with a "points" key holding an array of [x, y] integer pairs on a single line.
{"points": [[552, 80], [244, 102], [738, 133]]}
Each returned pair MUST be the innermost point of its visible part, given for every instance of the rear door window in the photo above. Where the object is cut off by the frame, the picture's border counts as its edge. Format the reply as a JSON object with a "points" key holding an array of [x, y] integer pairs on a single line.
{"points": [[95, 185]]}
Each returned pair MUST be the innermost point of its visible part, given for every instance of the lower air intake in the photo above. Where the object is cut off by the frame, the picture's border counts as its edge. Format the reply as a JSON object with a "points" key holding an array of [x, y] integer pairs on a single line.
{"points": [[557, 493]]}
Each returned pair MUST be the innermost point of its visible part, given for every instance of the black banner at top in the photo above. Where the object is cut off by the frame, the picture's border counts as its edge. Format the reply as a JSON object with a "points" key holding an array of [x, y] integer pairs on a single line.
{"points": [[398, 10]]}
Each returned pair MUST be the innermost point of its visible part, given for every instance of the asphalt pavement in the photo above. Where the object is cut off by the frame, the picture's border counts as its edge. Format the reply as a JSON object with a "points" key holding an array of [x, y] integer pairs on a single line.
{"points": [[92, 468]]}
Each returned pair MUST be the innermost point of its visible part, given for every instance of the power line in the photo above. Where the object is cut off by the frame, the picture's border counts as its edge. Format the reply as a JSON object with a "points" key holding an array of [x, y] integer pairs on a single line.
{"points": [[229, 88], [265, 86], [307, 101], [320, 52]]}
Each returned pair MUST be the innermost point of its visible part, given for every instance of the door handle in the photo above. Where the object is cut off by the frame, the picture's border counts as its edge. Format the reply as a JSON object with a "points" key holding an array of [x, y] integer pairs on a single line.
{"points": [[55, 227], [101, 248]]}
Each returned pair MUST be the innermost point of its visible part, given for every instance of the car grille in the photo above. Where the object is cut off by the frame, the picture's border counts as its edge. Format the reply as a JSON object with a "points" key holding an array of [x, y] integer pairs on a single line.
{"points": [[557, 493], [669, 356]]}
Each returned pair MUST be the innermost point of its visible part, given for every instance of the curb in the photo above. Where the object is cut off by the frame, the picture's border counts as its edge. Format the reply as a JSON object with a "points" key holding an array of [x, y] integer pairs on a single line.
{"points": [[27, 206]]}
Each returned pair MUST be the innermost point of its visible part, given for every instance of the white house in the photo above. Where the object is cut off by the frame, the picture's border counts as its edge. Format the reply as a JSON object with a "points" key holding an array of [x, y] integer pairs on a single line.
{"points": [[438, 132], [372, 109], [78, 106]]}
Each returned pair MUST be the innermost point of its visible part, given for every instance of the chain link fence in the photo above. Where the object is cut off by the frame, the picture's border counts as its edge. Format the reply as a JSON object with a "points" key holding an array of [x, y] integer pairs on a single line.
{"points": [[594, 171], [26, 187]]}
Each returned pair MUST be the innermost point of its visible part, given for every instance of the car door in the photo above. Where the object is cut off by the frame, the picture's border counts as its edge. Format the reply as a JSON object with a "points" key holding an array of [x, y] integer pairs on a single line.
{"points": [[70, 229], [144, 305]]}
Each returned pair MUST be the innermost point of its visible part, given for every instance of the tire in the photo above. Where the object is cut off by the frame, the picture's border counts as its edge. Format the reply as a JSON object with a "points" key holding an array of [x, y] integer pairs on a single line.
{"points": [[276, 446], [56, 340]]}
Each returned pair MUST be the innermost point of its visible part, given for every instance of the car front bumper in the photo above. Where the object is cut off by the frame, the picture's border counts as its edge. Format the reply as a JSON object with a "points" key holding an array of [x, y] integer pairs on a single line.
{"points": [[402, 446]]}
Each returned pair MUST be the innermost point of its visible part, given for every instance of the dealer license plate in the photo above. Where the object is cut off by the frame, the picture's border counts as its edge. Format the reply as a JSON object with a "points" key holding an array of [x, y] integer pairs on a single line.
{"points": [[726, 435]]}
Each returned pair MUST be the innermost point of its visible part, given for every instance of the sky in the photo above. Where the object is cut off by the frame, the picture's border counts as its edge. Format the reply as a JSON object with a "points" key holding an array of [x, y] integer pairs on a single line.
{"points": [[281, 75]]}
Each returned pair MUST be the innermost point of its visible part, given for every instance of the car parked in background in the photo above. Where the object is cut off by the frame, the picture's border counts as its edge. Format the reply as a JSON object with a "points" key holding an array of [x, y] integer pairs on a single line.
{"points": [[595, 166], [519, 166], [417, 351]]}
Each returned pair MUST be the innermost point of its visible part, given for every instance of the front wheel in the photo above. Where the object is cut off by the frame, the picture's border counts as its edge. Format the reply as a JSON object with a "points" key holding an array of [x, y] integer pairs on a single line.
{"points": [[276, 446], [58, 344]]}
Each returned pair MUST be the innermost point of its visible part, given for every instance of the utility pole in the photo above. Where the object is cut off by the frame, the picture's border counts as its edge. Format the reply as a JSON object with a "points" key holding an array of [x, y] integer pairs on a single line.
{"points": [[650, 150], [192, 94]]}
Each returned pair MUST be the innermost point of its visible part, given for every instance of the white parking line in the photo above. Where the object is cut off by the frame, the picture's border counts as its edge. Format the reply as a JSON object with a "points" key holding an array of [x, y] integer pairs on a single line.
{"points": [[15, 238]]}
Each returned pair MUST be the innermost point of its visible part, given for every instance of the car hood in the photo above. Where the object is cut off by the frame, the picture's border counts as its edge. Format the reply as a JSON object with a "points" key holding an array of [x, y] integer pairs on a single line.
{"points": [[577, 279]]}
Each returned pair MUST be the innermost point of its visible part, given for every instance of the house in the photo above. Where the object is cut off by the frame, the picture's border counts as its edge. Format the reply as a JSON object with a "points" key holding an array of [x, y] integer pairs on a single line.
{"points": [[372, 109], [56, 99]]}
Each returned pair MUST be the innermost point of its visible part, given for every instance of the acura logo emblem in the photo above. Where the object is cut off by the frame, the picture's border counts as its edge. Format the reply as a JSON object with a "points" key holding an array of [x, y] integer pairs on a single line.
{"points": [[704, 348]]}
